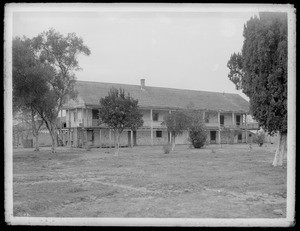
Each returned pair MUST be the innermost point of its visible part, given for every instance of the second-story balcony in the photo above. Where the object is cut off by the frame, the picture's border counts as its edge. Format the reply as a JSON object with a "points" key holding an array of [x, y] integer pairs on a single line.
{"points": [[95, 123]]}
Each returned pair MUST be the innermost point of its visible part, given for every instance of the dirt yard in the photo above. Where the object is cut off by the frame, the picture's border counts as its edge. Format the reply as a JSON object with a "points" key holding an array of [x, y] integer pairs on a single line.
{"points": [[215, 182]]}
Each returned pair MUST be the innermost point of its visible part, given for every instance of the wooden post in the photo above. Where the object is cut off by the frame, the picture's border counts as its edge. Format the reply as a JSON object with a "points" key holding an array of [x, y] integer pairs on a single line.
{"points": [[87, 117], [109, 140], [86, 138], [233, 118], [219, 136], [246, 129], [69, 137], [131, 138], [151, 126], [100, 138]]}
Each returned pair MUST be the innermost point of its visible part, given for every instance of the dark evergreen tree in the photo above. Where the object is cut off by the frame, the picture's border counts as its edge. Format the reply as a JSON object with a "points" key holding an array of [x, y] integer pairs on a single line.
{"points": [[260, 70]]}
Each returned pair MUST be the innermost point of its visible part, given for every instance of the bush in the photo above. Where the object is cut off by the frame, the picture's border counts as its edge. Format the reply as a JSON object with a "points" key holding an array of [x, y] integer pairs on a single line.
{"points": [[260, 138], [167, 149], [197, 138]]}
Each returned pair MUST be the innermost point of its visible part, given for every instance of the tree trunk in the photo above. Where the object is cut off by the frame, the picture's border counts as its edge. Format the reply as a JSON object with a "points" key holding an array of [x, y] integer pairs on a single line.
{"points": [[36, 145], [54, 141], [35, 131], [281, 150], [173, 142], [116, 152], [117, 143]]}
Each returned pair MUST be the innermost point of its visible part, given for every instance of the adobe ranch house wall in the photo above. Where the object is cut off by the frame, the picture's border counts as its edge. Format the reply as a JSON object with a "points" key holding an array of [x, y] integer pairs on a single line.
{"points": [[84, 127]]}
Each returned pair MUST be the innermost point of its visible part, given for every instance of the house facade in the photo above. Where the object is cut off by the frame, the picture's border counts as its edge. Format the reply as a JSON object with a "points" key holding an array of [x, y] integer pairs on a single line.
{"points": [[224, 115]]}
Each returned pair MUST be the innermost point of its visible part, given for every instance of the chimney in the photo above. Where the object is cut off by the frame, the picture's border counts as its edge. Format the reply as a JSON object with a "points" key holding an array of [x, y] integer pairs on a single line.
{"points": [[142, 84]]}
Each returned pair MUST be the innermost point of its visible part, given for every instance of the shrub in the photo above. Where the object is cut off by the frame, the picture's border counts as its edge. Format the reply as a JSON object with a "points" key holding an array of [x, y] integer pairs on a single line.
{"points": [[198, 138], [260, 138], [167, 149]]}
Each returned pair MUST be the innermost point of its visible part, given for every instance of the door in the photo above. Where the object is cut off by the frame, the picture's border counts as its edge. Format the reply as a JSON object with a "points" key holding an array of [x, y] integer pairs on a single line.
{"points": [[129, 138], [213, 135], [240, 138], [238, 120], [134, 138]]}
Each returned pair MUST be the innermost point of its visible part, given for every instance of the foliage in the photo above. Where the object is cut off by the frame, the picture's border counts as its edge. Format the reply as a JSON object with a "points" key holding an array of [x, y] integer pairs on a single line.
{"points": [[176, 122], [261, 69], [197, 129], [261, 72], [29, 84], [46, 75], [197, 138], [260, 138], [120, 112], [189, 119]]}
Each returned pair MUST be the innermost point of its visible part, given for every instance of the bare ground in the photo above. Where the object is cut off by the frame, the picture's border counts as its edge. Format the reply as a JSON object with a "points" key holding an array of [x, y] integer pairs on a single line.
{"points": [[216, 182]]}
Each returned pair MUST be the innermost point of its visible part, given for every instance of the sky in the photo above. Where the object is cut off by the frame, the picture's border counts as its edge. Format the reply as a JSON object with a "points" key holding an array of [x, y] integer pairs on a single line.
{"points": [[175, 47]]}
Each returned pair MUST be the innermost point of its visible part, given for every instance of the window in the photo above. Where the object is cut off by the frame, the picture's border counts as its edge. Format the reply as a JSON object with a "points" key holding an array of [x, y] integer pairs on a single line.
{"points": [[222, 120], [206, 118], [75, 116], [240, 136], [155, 117], [95, 114], [158, 134]]}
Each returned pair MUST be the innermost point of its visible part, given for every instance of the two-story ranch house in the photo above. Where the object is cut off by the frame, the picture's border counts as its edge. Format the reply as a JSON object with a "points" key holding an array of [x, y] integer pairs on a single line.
{"points": [[221, 110]]}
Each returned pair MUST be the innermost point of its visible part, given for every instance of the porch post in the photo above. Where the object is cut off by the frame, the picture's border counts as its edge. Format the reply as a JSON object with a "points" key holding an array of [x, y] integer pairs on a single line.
{"points": [[87, 117], [131, 138], [109, 140], [246, 129], [69, 137], [232, 118], [86, 137], [151, 126], [100, 143], [219, 134], [170, 134]]}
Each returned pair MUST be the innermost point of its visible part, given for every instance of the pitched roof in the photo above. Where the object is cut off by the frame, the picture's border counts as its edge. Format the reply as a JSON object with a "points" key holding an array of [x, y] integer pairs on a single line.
{"points": [[159, 97]]}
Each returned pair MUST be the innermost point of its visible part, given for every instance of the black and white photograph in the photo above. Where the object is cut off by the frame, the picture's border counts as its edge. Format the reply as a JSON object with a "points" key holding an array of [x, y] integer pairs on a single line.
{"points": [[126, 114]]}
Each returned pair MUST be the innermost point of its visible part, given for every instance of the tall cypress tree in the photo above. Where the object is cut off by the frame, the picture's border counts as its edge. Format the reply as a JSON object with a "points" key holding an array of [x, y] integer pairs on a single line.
{"points": [[260, 70]]}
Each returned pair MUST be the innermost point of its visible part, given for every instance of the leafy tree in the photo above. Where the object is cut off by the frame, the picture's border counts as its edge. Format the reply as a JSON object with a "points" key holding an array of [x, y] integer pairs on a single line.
{"points": [[260, 70], [119, 112], [176, 122], [228, 134], [60, 53], [29, 85]]}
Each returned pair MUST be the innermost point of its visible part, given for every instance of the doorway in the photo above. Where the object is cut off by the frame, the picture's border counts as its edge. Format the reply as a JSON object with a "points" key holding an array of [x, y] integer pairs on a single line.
{"points": [[213, 135], [129, 138], [238, 120]]}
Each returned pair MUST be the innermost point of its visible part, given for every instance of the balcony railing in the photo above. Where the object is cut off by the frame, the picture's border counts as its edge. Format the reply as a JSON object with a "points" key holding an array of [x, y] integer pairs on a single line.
{"points": [[95, 122]]}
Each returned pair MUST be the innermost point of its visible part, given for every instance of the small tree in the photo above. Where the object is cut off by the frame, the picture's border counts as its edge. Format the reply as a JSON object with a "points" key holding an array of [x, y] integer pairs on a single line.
{"points": [[119, 112], [260, 138], [176, 122], [227, 133], [197, 129]]}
